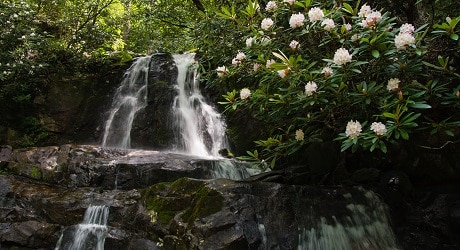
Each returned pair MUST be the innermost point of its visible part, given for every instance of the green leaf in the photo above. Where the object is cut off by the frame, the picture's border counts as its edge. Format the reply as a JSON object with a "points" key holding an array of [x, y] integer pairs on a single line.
{"points": [[454, 37], [389, 115], [404, 134], [375, 53], [419, 106], [347, 8], [449, 133]]}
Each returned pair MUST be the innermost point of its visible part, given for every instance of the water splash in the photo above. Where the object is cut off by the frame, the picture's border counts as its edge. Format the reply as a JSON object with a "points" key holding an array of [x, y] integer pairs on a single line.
{"points": [[229, 169], [199, 127], [362, 229], [90, 234], [130, 97]]}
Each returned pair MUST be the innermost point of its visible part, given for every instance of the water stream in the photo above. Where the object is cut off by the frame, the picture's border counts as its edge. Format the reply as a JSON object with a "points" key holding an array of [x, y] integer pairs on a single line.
{"points": [[199, 127], [90, 234], [129, 98]]}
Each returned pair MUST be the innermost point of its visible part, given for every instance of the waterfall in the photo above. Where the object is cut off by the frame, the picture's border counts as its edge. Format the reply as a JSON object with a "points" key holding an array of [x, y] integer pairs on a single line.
{"points": [[199, 127], [230, 169], [130, 97], [365, 227], [90, 234]]}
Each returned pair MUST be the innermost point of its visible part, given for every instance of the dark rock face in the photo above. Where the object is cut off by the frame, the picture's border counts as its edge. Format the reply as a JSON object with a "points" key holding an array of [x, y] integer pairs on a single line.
{"points": [[152, 125], [168, 201]]}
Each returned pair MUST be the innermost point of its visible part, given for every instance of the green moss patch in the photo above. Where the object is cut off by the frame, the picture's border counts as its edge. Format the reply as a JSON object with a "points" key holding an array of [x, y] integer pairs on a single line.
{"points": [[193, 198]]}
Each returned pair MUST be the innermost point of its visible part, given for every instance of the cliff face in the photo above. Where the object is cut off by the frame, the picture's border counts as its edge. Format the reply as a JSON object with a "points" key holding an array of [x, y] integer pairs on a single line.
{"points": [[72, 108]]}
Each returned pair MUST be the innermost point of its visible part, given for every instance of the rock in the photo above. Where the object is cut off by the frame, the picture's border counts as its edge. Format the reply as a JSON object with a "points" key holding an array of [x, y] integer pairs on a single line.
{"points": [[106, 168], [225, 214]]}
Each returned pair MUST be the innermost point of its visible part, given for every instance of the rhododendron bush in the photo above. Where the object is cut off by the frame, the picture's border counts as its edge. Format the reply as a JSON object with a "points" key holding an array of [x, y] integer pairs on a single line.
{"points": [[350, 73]]}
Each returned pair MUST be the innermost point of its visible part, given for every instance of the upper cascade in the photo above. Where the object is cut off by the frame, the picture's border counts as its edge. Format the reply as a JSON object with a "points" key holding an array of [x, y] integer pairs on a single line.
{"points": [[199, 128]]}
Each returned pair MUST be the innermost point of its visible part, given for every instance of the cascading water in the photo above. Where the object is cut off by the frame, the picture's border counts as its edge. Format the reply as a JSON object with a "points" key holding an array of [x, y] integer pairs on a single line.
{"points": [[130, 97], [365, 227], [90, 234], [200, 128]]}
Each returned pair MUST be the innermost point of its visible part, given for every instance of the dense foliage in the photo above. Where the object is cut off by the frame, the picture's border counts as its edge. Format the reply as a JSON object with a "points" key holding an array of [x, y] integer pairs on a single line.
{"points": [[373, 78], [72, 38], [328, 71]]}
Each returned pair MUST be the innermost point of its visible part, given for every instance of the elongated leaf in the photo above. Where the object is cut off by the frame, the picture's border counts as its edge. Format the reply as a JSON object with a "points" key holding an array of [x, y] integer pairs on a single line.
{"points": [[419, 106]]}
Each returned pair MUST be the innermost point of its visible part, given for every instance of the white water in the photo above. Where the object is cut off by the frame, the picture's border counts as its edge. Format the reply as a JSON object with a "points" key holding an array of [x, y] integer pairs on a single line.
{"points": [[130, 97], [229, 169], [362, 230], [199, 127], [91, 233]]}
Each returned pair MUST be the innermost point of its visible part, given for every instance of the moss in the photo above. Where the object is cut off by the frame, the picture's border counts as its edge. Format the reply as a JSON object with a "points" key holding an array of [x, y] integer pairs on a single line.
{"points": [[35, 172], [192, 197]]}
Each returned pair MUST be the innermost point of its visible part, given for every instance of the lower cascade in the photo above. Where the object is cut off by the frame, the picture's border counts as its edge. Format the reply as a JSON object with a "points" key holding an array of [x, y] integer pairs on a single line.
{"points": [[90, 234], [360, 229]]}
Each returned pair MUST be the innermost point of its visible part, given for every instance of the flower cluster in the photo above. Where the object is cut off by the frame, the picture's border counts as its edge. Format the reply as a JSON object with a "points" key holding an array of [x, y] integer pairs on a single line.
{"points": [[239, 58], [393, 84], [342, 56], [245, 93], [315, 14], [221, 71], [299, 135], [379, 128], [353, 129], [297, 20], [294, 44], [328, 24], [370, 17], [327, 71], [271, 6], [405, 37], [266, 24], [310, 88]]}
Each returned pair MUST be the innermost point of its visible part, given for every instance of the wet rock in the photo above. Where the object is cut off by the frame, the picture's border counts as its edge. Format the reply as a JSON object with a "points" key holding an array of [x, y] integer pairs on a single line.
{"points": [[106, 168]]}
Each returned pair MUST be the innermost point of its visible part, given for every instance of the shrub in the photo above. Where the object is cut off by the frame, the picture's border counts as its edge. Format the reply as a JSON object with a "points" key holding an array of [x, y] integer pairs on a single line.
{"points": [[314, 72]]}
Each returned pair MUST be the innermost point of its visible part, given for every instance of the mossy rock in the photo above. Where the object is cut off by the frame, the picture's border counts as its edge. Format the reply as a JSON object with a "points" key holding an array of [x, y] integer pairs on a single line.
{"points": [[192, 198]]}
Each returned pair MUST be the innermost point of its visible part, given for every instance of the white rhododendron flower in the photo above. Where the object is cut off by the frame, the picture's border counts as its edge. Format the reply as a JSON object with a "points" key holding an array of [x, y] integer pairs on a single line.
{"points": [[378, 128], [348, 27], [299, 135], [296, 20], [328, 24], [342, 56], [407, 28], [257, 67], [269, 63], [327, 71], [221, 71], [364, 11], [372, 19], [402, 40], [294, 44], [353, 129], [245, 93], [282, 73], [354, 37], [266, 23], [240, 56], [249, 42], [393, 84], [310, 88], [290, 2], [271, 6], [315, 14]]}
